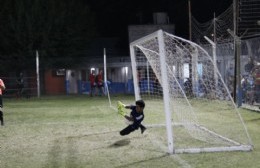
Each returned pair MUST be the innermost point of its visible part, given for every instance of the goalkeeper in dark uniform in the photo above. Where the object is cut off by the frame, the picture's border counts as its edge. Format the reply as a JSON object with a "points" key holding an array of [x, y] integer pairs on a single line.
{"points": [[136, 117]]}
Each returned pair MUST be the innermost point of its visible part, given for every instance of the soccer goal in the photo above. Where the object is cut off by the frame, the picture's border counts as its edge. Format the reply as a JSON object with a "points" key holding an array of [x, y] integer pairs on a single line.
{"points": [[180, 81]]}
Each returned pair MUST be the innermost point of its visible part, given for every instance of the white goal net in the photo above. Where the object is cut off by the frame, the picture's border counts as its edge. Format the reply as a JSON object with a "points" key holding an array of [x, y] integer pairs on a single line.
{"points": [[186, 94]]}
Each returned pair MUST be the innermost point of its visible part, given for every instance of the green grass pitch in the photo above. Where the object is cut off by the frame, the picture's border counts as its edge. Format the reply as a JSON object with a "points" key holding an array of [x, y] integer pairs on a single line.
{"points": [[83, 132]]}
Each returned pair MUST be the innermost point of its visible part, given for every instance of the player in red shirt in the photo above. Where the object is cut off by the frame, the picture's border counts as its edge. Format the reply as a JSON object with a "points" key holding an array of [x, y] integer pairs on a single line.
{"points": [[100, 84], [92, 83], [2, 87]]}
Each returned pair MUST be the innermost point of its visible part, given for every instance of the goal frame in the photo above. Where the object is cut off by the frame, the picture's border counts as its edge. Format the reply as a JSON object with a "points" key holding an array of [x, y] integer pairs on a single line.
{"points": [[166, 99]]}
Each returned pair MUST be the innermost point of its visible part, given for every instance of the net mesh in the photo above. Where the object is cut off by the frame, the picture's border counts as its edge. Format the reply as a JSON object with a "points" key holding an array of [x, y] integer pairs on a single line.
{"points": [[203, 112]]}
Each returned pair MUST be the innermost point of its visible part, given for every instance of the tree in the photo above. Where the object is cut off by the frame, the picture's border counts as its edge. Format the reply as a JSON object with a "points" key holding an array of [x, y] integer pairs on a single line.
{"points": [[55, 28]]}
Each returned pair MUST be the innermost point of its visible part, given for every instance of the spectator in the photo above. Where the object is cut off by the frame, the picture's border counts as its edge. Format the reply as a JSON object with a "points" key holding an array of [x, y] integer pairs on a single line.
{"points": [[230, 79], [256, 75], [244, 87], [250, 65], [20, 85], [92, 83], [250, 90], [188, 87], [100, 83]]}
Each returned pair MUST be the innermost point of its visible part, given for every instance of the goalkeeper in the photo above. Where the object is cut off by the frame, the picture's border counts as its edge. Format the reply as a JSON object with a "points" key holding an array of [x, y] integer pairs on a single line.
{"points": [[136, 117]]}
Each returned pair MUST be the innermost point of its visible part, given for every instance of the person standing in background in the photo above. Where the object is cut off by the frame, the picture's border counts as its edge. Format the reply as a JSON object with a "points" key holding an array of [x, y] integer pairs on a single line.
{"points": [[230, 79], [20, 85], [2, 87], [92, 83], [256, 75], [100, 83]]}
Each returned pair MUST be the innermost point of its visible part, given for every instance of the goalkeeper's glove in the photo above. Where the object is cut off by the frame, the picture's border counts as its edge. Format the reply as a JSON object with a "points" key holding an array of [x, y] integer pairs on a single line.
{"points": [[120, 108]]}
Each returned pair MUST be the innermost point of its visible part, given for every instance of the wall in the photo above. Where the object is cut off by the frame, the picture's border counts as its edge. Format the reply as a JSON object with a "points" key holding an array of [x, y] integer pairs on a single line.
{"points": [[54, 84], [138, 31]]}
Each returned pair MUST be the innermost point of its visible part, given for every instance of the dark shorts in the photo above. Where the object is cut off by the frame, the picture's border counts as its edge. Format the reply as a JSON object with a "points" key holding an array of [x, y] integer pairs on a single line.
{"points": [[1, 101], [127, 130], [100, 85]]}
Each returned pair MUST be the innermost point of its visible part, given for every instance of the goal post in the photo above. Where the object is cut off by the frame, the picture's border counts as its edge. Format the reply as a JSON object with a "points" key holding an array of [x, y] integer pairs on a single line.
{"points": [[165, 86], [105, 77], [184, 90]]}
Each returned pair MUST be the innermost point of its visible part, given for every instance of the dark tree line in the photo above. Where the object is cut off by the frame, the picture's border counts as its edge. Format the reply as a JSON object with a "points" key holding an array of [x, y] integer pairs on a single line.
{"points": [[65, 28], [54, 28]]}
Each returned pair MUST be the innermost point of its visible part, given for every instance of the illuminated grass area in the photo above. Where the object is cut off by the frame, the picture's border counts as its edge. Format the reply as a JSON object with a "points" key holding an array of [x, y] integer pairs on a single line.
{"points": [[79, 131]]}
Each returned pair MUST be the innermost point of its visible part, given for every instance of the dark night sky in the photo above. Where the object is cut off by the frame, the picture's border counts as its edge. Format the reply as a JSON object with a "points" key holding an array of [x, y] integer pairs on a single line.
{"points": [[115, 15], [80, 33]]}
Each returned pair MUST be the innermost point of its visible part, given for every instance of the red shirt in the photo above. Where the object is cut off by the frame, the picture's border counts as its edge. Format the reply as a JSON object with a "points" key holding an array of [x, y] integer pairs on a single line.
{"points": [[2, 86], [92, 79], [100, 79], [257, 78]]}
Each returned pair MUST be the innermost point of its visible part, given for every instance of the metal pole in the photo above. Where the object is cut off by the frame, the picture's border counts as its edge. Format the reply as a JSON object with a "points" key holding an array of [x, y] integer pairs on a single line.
{"points": [[235, 47], [37, 74], [237, 80], [214, 30], [238, 73], [148, 77], [105, 77], [189, 6]]}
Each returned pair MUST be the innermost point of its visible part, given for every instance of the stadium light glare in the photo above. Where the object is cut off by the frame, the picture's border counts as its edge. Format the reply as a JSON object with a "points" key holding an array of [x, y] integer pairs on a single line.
{"points": [[92, 69]]}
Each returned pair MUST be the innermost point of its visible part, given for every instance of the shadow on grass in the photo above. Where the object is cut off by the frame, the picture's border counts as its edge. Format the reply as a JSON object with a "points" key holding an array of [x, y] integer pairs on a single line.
{"points": [[143, 161], [93, 134], [120, 143], [254, 120]]}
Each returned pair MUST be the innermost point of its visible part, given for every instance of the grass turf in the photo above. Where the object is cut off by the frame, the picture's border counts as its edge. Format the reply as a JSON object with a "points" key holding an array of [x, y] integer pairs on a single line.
{"points": [[79, 131]]}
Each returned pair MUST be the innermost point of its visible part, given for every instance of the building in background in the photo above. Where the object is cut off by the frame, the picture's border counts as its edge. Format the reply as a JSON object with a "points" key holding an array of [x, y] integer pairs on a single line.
{"points": [[160, 21]]}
